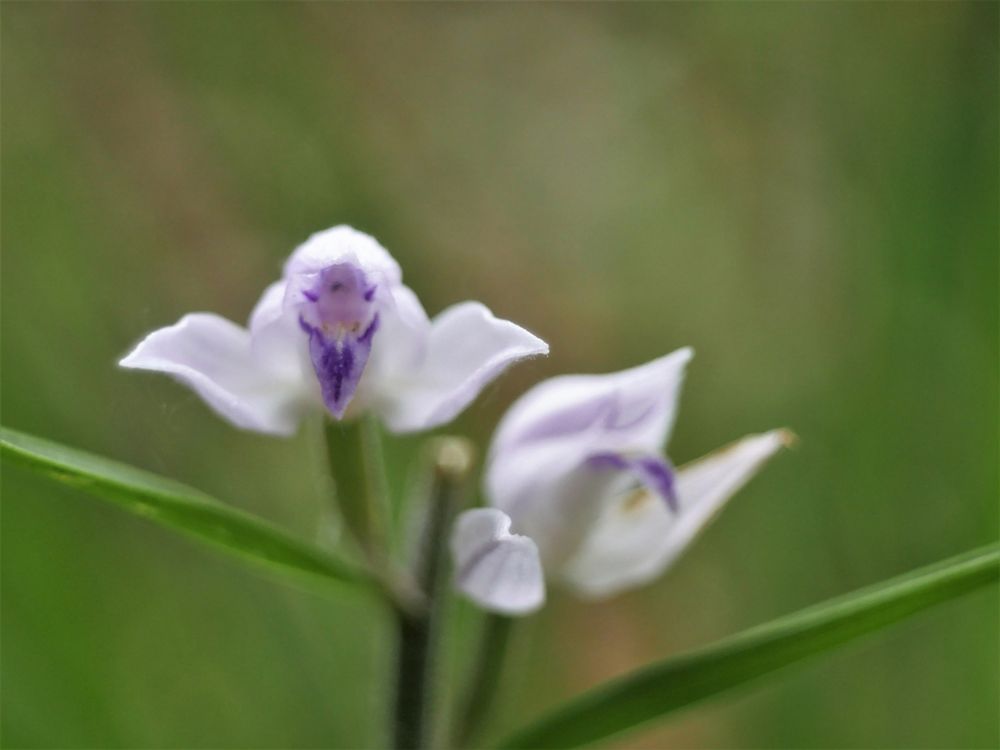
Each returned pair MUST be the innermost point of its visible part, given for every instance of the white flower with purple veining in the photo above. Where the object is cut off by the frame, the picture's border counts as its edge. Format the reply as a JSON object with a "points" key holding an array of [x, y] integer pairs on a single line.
{"points": [[339, 330], [581, 491]]}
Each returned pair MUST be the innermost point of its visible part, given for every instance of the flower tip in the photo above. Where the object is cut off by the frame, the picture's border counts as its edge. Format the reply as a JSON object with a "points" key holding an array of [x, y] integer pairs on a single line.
{"points": [[786, 437], [337, 412], [133, 359]]}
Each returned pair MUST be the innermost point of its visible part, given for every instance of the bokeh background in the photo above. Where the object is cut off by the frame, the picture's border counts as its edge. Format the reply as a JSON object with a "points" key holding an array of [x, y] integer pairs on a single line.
{"points": [[805, 193]]}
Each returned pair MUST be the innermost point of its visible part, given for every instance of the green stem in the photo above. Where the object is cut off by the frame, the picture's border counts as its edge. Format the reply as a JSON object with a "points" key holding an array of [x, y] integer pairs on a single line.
{"points": [[481, 696], [411, 688], [354, 453], [417, 628]]}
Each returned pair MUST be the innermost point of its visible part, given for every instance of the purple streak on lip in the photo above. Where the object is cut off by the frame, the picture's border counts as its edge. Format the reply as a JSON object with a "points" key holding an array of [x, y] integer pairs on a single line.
{"points": [[614, 413], [370, 293], [470, 565], [608, 460], [577, 418], [310, 295], [339, 363], [604, 412], [659, 477], [652, 471], [366, 337]]}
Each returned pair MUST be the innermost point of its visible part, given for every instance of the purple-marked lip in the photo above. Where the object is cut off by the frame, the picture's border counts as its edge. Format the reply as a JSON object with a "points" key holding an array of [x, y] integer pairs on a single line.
{"points": [[654, 472], [369, 333], [340, 319]]}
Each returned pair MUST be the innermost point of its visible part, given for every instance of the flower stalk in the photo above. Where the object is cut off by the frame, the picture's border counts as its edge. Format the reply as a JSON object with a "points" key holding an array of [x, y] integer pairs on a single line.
{"points": [[481, 694], [354, 454], [416, 659]]}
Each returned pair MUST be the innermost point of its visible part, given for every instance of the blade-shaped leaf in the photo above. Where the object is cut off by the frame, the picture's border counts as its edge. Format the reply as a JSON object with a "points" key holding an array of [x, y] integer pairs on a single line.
{"points": [[654, 692], [175, 506]]}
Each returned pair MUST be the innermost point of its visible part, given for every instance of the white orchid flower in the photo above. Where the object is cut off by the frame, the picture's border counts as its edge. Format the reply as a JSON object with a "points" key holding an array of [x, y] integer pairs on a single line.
{"points": [[340, 330], [581, 491]]}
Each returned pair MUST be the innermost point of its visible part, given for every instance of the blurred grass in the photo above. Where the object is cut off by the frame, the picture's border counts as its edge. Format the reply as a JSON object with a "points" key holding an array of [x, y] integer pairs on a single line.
{"points": [[806, 193]]}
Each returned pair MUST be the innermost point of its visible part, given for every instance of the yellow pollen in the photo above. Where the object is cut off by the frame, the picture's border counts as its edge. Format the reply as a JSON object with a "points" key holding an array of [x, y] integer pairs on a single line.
{"points": [[339, 330], [635, 500]]}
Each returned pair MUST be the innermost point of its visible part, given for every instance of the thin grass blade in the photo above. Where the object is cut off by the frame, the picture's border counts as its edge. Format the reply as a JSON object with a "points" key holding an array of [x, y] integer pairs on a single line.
{"points": [[653, 693], [177, 507]]}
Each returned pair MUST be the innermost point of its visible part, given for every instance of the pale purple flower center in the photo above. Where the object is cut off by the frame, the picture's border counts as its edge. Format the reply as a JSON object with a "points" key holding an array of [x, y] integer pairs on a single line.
{"points": [[338, 314]]}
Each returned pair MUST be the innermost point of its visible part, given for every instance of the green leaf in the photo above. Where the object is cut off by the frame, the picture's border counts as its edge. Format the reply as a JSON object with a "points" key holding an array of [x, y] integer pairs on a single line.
{"points": [[654, 692], [175, 506]]}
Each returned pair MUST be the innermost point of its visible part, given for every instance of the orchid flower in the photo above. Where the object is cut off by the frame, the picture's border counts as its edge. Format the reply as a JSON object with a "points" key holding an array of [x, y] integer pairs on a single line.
{"points": [[339, 330], [580, 489]]}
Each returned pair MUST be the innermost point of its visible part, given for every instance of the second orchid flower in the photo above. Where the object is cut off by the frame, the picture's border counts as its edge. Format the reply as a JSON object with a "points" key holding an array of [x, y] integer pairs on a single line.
{"points": [[581, 492]]}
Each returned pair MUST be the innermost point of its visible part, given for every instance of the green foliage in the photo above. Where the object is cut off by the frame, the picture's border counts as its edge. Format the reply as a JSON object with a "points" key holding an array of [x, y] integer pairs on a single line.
{"points": [[659, 690], [175, 506], [806, 193]]}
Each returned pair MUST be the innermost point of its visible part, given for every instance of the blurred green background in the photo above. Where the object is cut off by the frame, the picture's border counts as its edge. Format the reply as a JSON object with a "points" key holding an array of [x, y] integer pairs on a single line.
{"points": [[805, 193]]}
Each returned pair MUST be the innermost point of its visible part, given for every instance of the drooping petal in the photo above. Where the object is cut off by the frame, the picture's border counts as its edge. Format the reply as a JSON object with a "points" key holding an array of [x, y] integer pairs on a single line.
{"points": [[466, 349], [343, 244], [215, 358], [637, 537], [629, 410], [498, 570]]}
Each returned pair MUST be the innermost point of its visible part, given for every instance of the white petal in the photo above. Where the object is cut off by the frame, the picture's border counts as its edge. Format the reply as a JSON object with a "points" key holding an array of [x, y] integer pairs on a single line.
{"points": [[214, 357], [342, 244], [551, 496], [275, 335], [629, 410], [268, 308], [467, 348], [401, 342], [637, 538], [498, 570]]}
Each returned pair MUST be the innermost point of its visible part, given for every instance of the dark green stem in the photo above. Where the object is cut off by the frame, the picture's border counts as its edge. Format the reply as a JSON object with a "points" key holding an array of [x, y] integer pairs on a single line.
{"points": [[411, 688], [452, 459], [481, 696]]}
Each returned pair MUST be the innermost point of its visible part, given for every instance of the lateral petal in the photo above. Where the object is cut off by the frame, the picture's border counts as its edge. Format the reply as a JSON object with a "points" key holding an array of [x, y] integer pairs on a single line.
{"points": [[214, 357], [466, 349]]}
